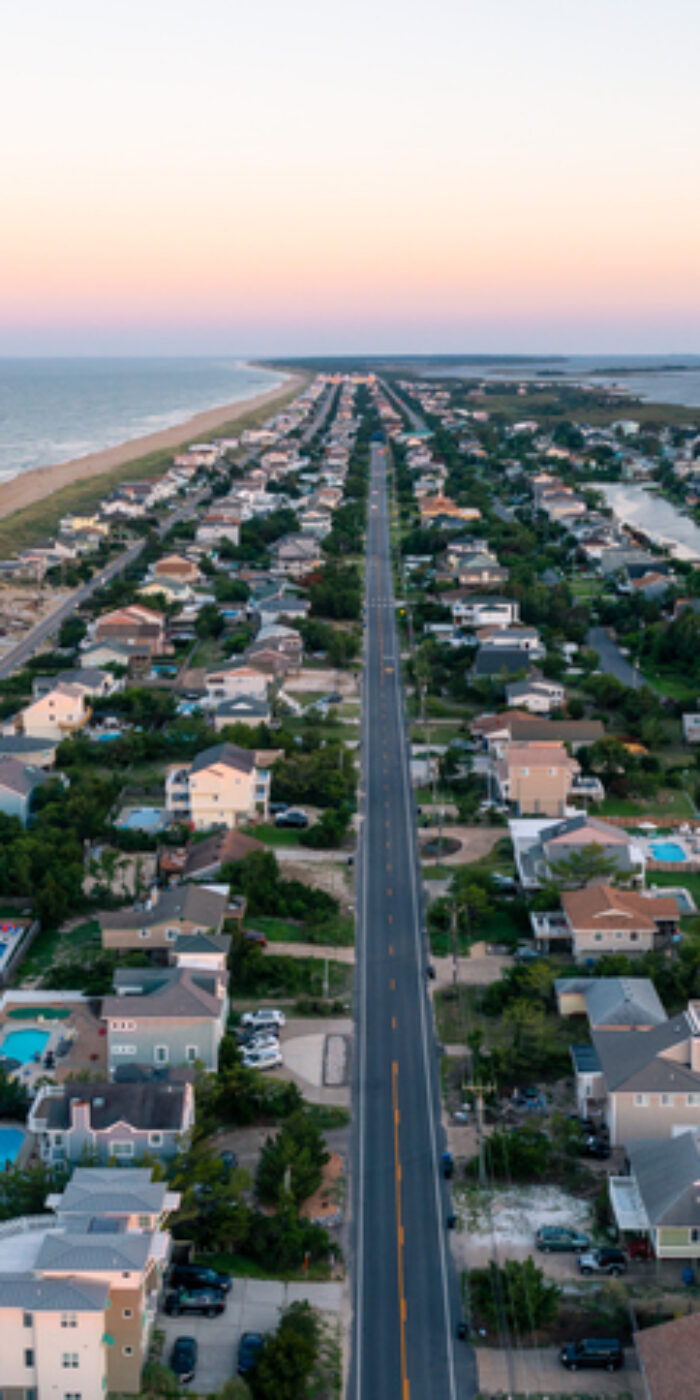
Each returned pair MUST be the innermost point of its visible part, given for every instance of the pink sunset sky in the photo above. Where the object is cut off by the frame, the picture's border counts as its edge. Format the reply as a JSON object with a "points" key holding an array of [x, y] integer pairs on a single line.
{"points": [[522, 175]]}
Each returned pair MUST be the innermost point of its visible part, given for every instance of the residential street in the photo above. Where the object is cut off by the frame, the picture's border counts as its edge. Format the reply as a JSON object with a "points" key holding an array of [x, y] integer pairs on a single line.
{"points": [[612, 662], [406, 1294]]}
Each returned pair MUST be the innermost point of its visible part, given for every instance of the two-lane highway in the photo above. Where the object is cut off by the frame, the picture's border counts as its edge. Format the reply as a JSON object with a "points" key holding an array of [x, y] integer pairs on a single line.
{"points": [[406, 1295]]}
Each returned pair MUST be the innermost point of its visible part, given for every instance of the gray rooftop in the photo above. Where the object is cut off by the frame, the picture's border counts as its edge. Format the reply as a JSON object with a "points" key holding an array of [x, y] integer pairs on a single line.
{"points": [[178, 903], [108, 1191], [633, 1060], [667, 1172], [155, 1106], [230, 755], [183, 994], [51, 1294], [20, 778], [77, 1250], [617, 1001]]}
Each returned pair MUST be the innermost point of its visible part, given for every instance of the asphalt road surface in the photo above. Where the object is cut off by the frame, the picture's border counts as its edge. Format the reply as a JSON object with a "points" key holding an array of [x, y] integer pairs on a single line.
{"points": [[407, 1301], [610, 658]]}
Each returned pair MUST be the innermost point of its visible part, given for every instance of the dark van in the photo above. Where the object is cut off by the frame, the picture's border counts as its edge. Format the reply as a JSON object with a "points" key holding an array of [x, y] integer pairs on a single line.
{"points": [[602, 1352]]}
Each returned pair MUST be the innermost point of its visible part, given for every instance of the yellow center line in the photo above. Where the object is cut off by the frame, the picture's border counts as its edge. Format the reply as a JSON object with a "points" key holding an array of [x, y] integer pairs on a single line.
{"points": [[399, 1227], [393, 1023], [392, 985]]}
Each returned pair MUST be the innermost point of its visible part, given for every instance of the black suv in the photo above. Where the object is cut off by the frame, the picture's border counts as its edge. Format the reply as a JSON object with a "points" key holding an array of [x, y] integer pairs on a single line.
{"points": [[607, 1260], [208, 1302], [605, 1353], [198, 1276]]}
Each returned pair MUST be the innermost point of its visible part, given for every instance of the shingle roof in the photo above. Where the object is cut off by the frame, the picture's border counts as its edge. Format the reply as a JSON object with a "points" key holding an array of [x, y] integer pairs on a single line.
{"points": [[491, 661], [179, 902], [105, 1190], [669, 1357], [178, 993], [667, 1173], [75, 1250], [229, 755], [156, 1106], [18, 777], [634, 1060], [616, 1001], [51, 1294], [603, 906]]}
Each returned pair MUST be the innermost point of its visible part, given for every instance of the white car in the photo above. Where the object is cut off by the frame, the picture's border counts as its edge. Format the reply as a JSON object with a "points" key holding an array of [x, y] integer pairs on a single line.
{"points": [[262, 1059], [261, 1042], [263, 1017]]}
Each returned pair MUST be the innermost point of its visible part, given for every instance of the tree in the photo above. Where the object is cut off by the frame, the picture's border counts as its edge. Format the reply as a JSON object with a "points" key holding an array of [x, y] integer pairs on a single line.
{"points": [[286, 1360], [582, 867], [520, 1290], [296, 1155], [158, 1382], [210, 622]]}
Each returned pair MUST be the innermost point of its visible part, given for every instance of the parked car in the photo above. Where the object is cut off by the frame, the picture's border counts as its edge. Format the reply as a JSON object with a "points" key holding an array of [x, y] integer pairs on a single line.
{"points": [[263, 1040], [530, 1098], [208, 1302], [552, 1239], [253, 935], [596, 1147], [229, 1162], [266, 1058], [248, 1349], [608, 1260], [603, 1352], [274, 808], [293, 816], [183, 1359], [526, 955], [265, 1014], [198, 1276], [640, 1249], [334, 698]]}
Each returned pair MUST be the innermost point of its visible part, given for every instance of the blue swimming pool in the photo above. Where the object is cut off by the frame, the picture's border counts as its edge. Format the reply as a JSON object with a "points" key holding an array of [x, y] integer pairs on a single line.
{"points": [[11, 1140], [24, 1045], [667, 850], [144, 819]]}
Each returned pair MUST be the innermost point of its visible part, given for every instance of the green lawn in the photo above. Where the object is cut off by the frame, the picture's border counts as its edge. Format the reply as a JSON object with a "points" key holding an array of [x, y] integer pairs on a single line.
{"points": [[240, 1267], [437, 872], [670, 802], [273, 835], [672, 685], [690, 881], [338, 931]]}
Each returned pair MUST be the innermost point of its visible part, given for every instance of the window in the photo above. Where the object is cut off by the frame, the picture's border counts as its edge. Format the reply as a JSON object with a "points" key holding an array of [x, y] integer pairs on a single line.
{"points": [[33, 1394], [634, 938], [191, 1054], [122, 1149], [27, 1319], [29, 1357], [144, 933], [598, 937], [123, 1049], [641, 1101], [668, 1100], [127, 1312], [145, 1222], [70, 1360], [693, 1100], [72, 1395], [160, 1054], [155, 1139], [127, 1351], [69, 1320], [694, 1235]]}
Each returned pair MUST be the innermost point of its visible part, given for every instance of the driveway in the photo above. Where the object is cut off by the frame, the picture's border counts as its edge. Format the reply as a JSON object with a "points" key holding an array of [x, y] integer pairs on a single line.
{"points": [[253, 1305], [610, 658], [540, 1372]]}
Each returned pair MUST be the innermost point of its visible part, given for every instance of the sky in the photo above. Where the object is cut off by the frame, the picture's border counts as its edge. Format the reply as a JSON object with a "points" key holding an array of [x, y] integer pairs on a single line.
{"points": [[206, 176]]}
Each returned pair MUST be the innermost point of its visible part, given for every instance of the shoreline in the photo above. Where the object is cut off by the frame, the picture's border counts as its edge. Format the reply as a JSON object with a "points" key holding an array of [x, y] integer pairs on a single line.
{"points": [[41, 483]]}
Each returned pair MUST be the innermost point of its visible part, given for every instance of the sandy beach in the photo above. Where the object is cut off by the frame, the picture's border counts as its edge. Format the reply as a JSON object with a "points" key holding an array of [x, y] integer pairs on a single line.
{"points": [[31, 486]]}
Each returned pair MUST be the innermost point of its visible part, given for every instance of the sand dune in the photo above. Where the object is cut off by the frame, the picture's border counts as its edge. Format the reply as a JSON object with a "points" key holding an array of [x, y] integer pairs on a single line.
{"points": [[29, 487]]}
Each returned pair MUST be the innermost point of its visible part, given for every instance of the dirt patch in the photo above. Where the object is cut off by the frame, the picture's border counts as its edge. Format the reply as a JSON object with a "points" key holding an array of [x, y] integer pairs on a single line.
{"points": [[346, 683], [329, 876], [473, 842], [325, 1204], [440, 846]]}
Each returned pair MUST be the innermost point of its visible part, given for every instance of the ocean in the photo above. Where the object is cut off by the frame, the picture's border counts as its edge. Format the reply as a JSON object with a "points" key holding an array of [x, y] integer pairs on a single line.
{"points": [[52, 410], [653, 378]]}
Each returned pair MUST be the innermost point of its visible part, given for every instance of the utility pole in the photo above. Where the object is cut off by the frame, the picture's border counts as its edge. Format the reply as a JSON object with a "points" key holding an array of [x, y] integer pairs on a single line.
{"points": [[455, 961], [479, 1090]]}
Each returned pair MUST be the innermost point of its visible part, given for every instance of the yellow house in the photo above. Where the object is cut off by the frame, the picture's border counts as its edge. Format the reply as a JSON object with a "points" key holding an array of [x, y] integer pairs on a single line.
{"points": [[221, 787], [536, 779], [61, 712]]}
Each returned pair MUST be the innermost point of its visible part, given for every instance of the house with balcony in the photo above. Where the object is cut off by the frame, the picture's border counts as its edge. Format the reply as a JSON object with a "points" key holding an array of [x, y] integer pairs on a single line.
{"points": [[57, 714], [471, 610], [120, 1122], [157, 922], [536, 778], [536, 694], [222, 786], [660, 1196], [230, 682], [165, 1017], [136, 626], [539, 847], [79, 1286], [646, 1083], [603, 919]]}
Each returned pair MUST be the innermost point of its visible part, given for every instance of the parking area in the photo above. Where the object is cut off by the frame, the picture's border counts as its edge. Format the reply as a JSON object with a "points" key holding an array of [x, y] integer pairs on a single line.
{"points": [[540, 1372], [253, 1305]]}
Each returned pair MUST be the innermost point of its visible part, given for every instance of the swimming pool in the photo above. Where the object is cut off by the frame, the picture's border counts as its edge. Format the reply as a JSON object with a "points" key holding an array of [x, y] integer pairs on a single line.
{"points": [[143, 819], [24, 1045], [667, 850], [11, 1140]]}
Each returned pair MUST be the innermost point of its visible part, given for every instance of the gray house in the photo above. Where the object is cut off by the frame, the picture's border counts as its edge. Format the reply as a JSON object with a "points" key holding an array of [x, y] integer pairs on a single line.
{"points": [[18, 783], [165, 1016], [114, 1121]]}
